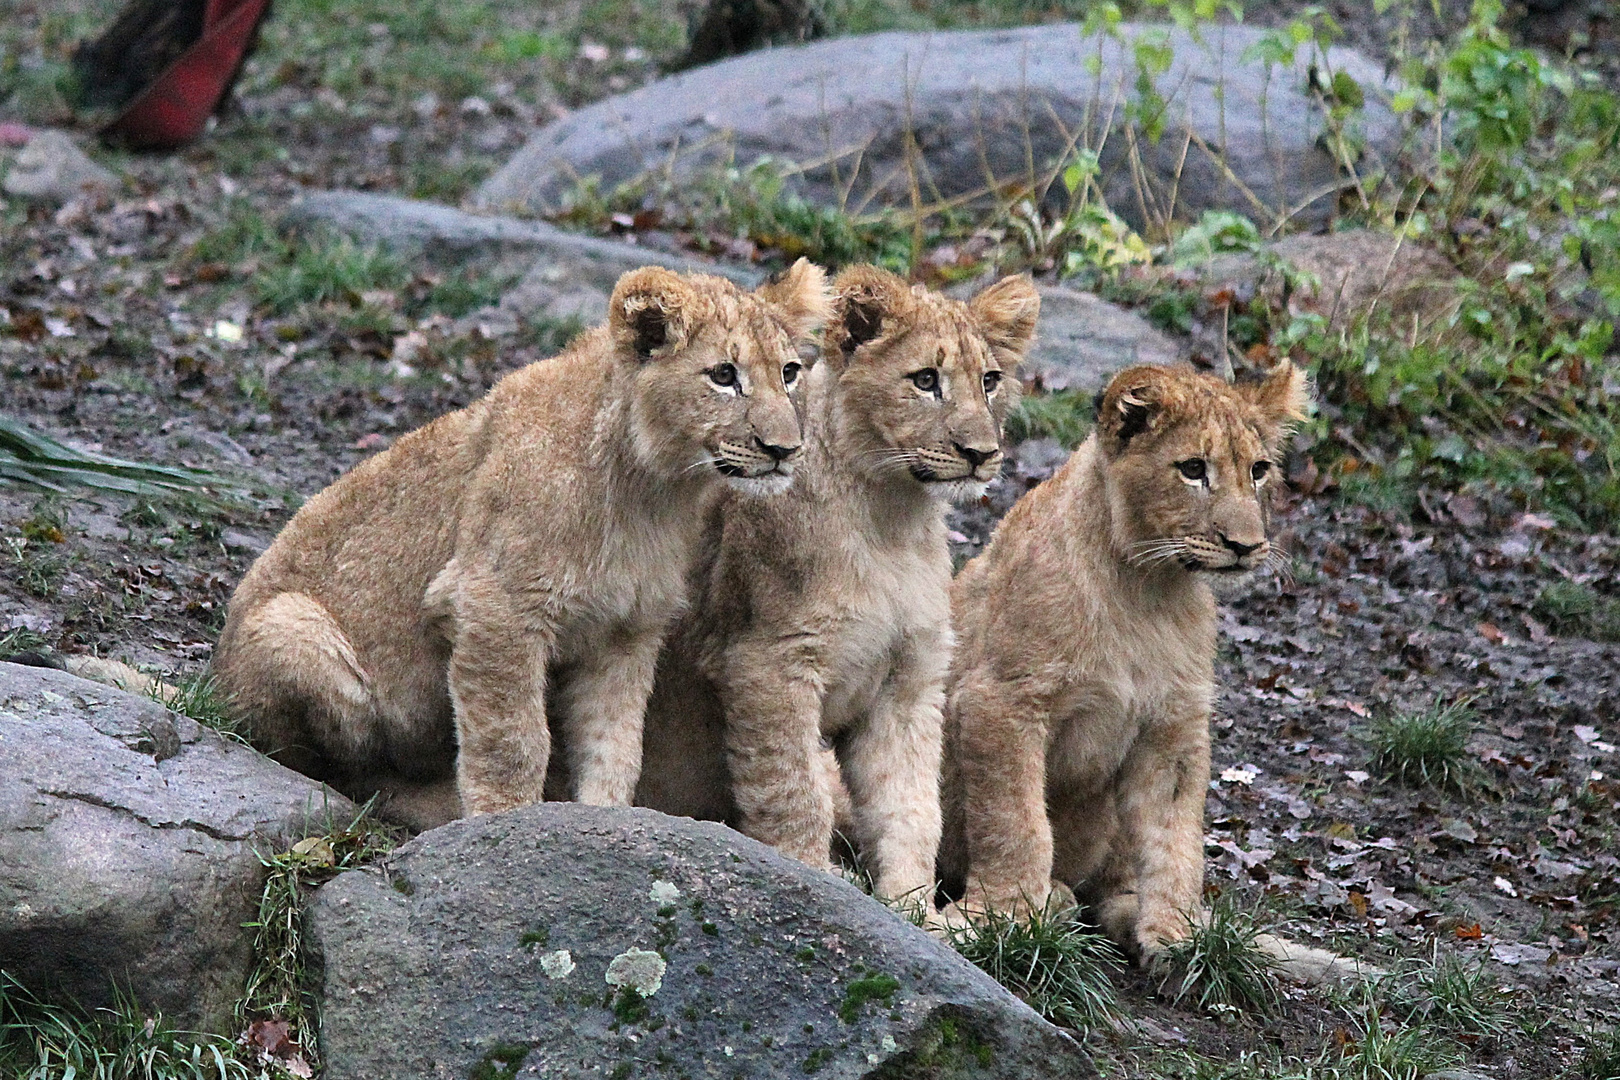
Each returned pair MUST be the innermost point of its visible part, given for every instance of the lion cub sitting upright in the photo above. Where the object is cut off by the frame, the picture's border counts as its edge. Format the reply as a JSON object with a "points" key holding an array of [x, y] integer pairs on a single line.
{"points": [[1079, 696], [531, 547], [825, 613]]}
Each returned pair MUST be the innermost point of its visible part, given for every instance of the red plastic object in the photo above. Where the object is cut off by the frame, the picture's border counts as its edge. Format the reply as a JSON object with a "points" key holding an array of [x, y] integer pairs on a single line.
{"points": [[173, 109]]}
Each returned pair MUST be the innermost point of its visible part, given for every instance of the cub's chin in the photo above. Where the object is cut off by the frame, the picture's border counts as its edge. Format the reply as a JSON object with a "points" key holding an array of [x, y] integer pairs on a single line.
{"points": [[959, 492], [760, 487]]}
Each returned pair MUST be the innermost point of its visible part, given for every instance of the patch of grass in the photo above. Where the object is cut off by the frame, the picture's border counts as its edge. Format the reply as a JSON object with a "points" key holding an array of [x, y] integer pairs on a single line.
{"points": [[1219, 966], [444, 181], [1427, 748], [1446, 994], [1375, 1052], [1064, 415], [38, 567], [324, 269], [244, 233], [201, 697], [278, 987], [1572, 608], [20, 639], [456, 294], [1055, 965], [1602, 1058], [40, 1041]]}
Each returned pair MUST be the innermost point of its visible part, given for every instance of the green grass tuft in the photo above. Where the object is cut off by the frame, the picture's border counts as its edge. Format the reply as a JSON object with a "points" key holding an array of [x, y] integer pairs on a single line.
{"points": [[278, 987], [1427, 748], [201, 697], [1572, 608], [1602, 1058], [1064, 415], [1059, 968], [41, 1041], [39, 463], [323, 270], [1446, 994], [1219, 966]]}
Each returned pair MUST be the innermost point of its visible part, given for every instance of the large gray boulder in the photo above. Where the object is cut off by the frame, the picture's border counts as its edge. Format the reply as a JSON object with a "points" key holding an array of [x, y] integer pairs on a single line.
{"points": [[1082, 340], [848, 112], [512, 946], [129, 841], [568, 275]]}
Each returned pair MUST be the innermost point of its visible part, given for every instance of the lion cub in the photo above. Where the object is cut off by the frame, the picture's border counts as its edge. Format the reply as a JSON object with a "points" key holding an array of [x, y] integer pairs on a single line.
{"points": [[413, 619], [824, 614], [1079, 695]]}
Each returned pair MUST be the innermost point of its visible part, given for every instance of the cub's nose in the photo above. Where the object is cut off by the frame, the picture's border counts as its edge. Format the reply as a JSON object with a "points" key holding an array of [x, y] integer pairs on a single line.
{"points": [[975, 456], [1240, 549], [774, 451]]}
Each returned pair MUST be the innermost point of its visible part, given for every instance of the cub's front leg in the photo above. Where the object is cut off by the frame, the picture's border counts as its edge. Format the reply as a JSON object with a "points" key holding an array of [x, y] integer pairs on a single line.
{"points": [[603, 708], [1000, 756], [500, 651], [891, 764], [1152, 892], [772, 701]]}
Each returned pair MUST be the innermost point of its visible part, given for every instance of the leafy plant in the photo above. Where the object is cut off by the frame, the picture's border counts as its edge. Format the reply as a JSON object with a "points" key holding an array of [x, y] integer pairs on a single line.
{"points": [[1424, 748], [1215, 232], [40, 463], [41, 1041], [1219, 964], [1062, 970]]}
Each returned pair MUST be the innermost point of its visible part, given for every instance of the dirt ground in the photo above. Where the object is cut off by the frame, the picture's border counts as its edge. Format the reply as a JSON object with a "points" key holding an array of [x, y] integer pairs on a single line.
{"points": [[110, 339]]}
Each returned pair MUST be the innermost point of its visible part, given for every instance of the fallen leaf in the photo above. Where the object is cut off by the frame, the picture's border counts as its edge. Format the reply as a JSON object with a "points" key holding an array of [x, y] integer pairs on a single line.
{"points": [[1238, 776], [1471, 932], [1503, 885], [1491, 633]]}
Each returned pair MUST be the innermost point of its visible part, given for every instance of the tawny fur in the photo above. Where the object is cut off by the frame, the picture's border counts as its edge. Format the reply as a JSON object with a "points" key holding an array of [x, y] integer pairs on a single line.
{"points": [[413, 621], [1079, 694], [821, 618]]}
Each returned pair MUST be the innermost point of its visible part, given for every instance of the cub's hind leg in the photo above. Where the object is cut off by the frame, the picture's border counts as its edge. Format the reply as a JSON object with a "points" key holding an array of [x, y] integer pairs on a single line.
{"points": [[294, 676]]}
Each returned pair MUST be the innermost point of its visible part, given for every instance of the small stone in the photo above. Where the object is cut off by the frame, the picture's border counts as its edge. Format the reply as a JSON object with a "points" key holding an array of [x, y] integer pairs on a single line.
{"points": [[52, 168]]}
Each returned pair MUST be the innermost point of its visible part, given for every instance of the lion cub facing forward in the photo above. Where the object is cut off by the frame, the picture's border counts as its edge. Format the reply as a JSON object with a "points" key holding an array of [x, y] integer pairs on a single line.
{"points": [[1079, 695], [531, 546], [824, 613]]}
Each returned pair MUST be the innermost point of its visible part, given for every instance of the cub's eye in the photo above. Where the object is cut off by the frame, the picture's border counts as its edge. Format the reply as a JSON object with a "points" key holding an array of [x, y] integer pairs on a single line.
{"points": [[790, 372], [1193, 468], [723, 374], [926, 380], [992, 379], [1261, 468]]}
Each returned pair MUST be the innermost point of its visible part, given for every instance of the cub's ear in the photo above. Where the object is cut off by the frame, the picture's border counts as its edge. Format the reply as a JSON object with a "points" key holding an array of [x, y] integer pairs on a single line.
{"points": [[1007, 312], [1283, 399], [800, 295], [1133, 402], [868, 303], [649, 311]]}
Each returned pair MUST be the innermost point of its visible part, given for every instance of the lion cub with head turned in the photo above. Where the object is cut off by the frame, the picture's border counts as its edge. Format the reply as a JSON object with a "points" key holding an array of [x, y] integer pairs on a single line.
{"points": [[1079, 695], [415, 619], [824, 614]]}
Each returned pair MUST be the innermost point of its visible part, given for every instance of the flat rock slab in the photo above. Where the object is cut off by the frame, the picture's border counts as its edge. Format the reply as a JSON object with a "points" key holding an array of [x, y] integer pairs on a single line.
{"points": [[977, 106], [129, 841], [510, 940], [51, 168], [569, 276]]}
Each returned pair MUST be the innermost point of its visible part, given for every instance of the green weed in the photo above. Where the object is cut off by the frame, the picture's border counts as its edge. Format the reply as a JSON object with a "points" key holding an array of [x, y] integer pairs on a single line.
{"points": [[41, 1041], [201, 697], [1602, 1058], [1446, 994], [278, 986], [1064, 415], [1059, 968], [1427, 748], [1219, 966], [326, 269], [1572, 608]]}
